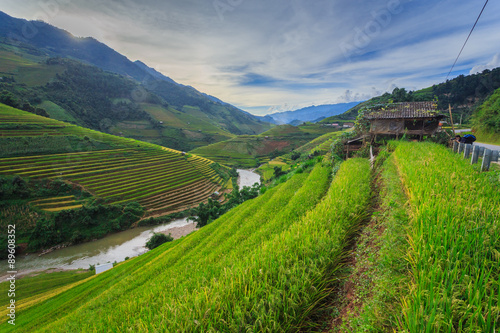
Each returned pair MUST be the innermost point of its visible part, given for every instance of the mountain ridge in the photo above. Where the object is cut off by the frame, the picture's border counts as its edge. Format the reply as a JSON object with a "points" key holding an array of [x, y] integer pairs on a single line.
{"points": [[58, 42], [312, 113]]}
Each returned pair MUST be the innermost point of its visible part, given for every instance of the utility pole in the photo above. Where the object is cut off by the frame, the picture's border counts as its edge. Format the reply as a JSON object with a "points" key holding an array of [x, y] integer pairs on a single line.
{"points": [[451, 119]]}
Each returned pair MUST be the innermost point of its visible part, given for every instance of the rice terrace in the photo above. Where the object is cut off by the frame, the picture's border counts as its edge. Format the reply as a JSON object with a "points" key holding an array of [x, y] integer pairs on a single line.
{"points": [[315, 193]]}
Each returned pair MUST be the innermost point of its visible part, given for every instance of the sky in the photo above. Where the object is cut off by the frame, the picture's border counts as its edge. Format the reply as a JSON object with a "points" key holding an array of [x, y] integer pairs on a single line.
{"points": [[278, 55]]}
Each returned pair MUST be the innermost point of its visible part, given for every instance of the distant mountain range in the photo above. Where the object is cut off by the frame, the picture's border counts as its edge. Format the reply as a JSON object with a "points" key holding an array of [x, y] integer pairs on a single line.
{"points": [[38, 41], [310, 113]]}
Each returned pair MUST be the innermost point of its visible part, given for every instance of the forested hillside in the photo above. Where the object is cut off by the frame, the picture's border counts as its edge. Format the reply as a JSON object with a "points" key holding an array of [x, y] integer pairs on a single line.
{"points": [[36, 70], [464, 93], [486, 119], [88, 96]]}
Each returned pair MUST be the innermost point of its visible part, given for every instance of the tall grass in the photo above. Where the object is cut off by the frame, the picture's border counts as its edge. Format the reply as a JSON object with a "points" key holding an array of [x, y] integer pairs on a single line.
{"points": [[454, 242], [260, 267]]}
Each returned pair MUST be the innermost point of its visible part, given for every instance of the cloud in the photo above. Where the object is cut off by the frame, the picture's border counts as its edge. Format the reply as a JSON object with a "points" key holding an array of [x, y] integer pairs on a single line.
{"points": [[493, 63], [275, 55]]}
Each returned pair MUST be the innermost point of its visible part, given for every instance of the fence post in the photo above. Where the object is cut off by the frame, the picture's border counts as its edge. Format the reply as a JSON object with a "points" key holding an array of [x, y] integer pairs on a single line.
{"points": [[494, 155], [475, 155], [481, 151], [485, 166], [461, 147], [455, 146], [467, 150]]}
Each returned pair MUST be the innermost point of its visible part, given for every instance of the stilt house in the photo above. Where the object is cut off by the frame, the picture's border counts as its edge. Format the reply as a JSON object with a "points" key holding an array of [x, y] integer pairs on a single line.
{"points": [[413, 118]]}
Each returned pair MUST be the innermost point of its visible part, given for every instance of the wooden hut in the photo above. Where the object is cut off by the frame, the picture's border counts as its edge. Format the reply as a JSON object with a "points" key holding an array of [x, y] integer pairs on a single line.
{"points": [[413, 118]]}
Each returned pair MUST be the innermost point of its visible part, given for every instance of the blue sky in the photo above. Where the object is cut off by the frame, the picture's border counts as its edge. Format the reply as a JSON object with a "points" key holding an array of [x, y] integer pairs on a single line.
{"points": [[268, 56]]}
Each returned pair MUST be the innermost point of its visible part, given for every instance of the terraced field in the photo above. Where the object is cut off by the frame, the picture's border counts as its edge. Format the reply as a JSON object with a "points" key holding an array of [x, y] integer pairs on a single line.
{"points": [[257, 268], [251, 150], [321, 144], [162, 179], [56, 204]]}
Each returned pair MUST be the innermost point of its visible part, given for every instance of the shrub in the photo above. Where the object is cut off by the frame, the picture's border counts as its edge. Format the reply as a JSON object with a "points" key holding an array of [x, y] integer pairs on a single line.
{"points": [[157, 239], [295, 155]]}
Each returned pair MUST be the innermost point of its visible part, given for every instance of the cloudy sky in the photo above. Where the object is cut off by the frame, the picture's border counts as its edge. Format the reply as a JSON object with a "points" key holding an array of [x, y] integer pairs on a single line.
{"points": [[265, 56]]}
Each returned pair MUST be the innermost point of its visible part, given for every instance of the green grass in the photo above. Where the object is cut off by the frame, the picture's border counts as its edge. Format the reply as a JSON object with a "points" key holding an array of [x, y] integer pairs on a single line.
{"points": [[39, 283], [487, 137]]}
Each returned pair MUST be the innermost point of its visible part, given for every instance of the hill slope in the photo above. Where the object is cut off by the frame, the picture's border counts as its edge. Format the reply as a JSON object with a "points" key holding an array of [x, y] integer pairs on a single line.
{"points": [[47, 41], [225, 268], [486, 119], [64, 183], [251, 150], [110, 167]]}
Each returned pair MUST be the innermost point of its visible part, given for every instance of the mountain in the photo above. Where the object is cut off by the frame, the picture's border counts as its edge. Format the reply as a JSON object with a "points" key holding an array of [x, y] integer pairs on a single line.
{"points": [[44, 41], [310, 113]]}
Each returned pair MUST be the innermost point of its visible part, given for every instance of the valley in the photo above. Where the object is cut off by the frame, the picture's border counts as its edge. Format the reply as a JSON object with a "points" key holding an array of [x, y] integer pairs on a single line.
{"points": [[335, 204]]}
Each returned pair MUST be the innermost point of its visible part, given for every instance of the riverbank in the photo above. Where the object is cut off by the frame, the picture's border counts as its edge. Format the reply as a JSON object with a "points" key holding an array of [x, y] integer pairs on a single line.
{"points": [[112, 248], [178, 232]]}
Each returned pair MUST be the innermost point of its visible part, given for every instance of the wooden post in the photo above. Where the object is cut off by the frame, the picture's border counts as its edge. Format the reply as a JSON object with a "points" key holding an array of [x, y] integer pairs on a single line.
{"points": [[475, 155], [467, 151], [461, 147], [451, 118], [485, 166], [372, 157]]}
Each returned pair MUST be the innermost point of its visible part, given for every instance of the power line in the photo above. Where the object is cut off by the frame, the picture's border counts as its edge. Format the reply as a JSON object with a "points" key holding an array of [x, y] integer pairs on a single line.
{"points": [[470, 33]]}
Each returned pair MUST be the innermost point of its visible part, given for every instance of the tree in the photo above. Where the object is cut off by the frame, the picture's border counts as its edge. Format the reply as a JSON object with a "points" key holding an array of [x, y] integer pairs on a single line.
{"points": [[295, 155], [158, 239], [278, 172], [206, 213]]}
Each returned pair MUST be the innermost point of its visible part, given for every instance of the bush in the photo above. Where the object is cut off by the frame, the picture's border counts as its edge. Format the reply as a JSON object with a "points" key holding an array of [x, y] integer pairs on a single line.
{"points": [[295, 156], [157, 239]]}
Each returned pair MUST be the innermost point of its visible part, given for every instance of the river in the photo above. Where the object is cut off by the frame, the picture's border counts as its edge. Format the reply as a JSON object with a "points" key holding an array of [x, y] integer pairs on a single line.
{"points": [[247, 177], [115, 247]]}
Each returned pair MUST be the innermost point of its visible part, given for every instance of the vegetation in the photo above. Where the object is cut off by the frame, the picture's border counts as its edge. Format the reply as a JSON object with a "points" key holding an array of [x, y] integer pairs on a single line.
{"points": [[158, 239], [206, 213], [380, 273], [148, 109], [250, 151], [46, 190], [486, 120], [454, 263], [209, 261], [428, 261]]}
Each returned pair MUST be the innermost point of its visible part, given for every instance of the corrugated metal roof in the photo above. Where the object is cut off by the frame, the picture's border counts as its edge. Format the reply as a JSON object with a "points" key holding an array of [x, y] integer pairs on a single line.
{"points": [[405, 110]]}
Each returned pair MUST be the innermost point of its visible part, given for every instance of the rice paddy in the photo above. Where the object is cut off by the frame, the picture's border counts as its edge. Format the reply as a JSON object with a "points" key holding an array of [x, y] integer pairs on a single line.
{"points": [[113, 168]]}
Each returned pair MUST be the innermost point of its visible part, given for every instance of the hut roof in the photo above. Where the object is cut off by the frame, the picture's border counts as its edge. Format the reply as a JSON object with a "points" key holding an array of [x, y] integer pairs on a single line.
{"points": [[405, 110]]}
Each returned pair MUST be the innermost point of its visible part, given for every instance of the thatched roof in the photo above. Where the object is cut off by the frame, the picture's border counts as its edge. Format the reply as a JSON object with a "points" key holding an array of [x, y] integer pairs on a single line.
{"points": [[405, 110]]}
